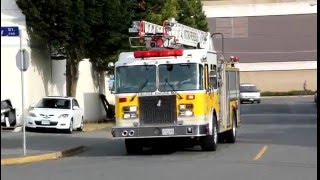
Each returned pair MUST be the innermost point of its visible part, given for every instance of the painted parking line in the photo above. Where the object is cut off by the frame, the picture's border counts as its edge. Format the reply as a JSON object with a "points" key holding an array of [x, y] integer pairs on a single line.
{"points": [[261, 152]]}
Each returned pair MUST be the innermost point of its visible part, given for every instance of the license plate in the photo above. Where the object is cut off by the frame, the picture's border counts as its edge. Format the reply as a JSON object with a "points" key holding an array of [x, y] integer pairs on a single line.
{"points": [[169, 131], [45, 122], [251, 99]]}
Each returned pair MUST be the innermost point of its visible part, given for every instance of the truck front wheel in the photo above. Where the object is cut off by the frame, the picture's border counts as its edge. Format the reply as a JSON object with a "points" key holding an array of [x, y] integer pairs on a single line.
{"points": [[210, 142], [133, 146]]}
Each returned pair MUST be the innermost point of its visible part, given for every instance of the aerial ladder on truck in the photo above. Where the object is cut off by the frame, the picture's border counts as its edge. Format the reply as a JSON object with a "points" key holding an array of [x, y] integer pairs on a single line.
{"points": [[159, 107]]}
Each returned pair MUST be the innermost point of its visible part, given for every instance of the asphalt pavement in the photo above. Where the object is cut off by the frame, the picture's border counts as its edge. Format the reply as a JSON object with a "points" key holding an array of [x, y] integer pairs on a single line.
{"points": [[46, 141], [277, 140]]}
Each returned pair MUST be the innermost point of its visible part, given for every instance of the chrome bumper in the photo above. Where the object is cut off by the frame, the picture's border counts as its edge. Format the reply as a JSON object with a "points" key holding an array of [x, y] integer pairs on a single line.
{"points": [[160, 131]]}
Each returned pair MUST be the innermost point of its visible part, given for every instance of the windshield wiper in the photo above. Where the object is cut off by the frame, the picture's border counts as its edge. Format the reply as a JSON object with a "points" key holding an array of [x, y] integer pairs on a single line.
{"points": [[140, 89], [180, 97]]}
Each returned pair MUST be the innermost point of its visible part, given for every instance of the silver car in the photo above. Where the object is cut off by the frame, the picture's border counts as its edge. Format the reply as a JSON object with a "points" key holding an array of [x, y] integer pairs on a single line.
{"points": [[249, 93]]}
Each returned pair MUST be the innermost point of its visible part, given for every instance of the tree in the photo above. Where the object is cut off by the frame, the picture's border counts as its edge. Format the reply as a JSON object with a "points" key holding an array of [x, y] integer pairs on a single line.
{"points": [[191, 14], [187, 12], [92, 29], [98, 29], [109, 21], [62, 24], [156, 11]]}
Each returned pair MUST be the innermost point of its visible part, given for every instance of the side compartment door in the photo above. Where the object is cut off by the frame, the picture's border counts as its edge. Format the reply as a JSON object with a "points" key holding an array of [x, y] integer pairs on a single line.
{"points": [[232, 94]]}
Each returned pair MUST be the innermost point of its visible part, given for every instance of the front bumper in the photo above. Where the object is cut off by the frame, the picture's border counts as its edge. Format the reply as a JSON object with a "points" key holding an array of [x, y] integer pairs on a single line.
{"points": [[160, 131], [54, 124]]}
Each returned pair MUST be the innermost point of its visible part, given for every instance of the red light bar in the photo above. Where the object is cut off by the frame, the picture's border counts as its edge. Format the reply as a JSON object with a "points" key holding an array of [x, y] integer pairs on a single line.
{"points": [[164, 53]]}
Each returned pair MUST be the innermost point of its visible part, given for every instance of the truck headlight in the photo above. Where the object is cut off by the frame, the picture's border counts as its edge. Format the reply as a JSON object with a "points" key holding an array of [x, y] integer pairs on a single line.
{"points": [[130, 112], [186, 110], [130, 109], [130, 115]]}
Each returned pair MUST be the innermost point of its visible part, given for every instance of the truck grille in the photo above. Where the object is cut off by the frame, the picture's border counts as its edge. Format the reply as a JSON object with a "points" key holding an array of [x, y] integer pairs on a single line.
{"points": [[157, 110]]}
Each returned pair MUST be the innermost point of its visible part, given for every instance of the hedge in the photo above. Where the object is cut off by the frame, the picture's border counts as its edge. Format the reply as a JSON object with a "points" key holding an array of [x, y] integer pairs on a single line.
{"points": [[289, 93]]}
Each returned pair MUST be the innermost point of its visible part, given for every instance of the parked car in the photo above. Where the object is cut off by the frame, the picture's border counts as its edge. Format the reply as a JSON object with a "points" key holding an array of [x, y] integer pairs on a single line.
{"points": [[56, 112], [249, 93], [8, 114], [315, 97]]}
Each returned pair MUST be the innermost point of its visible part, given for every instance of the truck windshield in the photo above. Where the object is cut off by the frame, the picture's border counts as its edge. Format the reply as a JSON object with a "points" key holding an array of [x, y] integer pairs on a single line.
{"points": [[133, 79], [180, 77]]}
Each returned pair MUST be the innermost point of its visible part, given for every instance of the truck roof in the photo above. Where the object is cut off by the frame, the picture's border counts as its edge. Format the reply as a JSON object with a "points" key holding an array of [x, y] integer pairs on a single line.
{"points": [[191, 55]]}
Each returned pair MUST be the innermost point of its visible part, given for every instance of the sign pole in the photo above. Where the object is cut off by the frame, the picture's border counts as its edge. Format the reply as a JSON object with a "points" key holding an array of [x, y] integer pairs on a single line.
{"points": [[22, 96]]}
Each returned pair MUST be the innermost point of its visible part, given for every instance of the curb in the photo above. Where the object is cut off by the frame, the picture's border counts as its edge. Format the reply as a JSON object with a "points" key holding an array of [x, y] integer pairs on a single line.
{"points": [[42, 157]]}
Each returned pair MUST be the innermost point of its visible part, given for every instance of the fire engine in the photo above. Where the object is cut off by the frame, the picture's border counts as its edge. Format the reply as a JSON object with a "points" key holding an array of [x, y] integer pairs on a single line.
{"points": [[175, 88]]}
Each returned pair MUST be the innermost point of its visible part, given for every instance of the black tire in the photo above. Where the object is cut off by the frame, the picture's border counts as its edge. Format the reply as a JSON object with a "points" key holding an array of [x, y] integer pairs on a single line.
{"points": [[230, 135], [133, 146], [210, 142], [81, 125], [258, 101], [70, 130]]}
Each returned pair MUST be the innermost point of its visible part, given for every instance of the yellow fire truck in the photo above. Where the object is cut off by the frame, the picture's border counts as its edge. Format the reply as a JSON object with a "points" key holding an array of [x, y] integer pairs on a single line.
{"points": [[177, 88]]}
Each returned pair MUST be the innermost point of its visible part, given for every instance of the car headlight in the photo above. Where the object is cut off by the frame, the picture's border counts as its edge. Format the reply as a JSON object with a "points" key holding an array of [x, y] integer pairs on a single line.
{"points": [[63, 115], [32, 115]]}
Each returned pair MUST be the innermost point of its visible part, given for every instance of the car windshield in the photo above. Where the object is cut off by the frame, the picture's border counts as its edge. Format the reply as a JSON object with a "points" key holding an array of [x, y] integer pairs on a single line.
{"points": [[248, 89], [54, 103], [132, 79], [180, 77]]}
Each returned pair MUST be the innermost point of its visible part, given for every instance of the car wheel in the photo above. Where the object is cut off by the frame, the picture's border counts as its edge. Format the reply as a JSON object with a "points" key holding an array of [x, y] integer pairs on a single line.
{"points": [[70, 130], [81, 125], [210, 142], [258, 101]]}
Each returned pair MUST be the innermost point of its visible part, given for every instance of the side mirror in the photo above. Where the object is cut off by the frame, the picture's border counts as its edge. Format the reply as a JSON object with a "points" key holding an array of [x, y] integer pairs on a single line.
{"points": [[75, 107]]}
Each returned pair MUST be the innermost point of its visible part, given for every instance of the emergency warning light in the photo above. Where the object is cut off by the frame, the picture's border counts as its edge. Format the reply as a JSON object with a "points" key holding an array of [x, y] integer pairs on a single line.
{"points": [[163, 53], [234, 58]]}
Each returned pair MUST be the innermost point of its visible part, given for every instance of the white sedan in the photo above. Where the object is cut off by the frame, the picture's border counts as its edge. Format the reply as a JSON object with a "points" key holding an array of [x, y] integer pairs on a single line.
{"points": [[56, 112]]}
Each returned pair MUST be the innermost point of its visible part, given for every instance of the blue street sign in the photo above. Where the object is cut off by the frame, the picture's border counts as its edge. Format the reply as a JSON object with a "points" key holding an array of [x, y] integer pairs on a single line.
{"points": [[10, 31]]}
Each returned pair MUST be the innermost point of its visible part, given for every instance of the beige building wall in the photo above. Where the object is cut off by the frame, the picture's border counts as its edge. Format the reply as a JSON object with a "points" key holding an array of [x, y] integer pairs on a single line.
{"points": [[281, 81]]}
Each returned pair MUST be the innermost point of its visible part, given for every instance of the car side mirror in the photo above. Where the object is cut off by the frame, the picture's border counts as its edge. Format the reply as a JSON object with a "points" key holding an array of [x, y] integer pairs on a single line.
{"points": [[32, 106], [76, 107]]}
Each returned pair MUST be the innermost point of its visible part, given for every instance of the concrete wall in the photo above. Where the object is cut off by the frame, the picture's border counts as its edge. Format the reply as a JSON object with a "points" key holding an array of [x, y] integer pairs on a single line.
{"points": [[281, 81], [88, 92], [274, 39], [236, 8], [37, 77]]}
